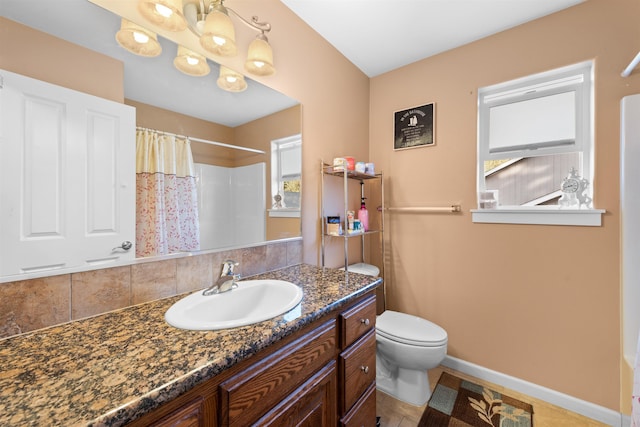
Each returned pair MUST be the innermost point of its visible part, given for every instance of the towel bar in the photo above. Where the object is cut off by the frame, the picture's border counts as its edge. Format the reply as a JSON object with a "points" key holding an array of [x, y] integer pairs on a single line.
{"points": [[427, 209]]}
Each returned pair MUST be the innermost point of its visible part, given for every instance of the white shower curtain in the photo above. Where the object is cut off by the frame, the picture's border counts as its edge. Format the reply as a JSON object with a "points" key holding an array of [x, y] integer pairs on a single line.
{"points": [[166, 197]]}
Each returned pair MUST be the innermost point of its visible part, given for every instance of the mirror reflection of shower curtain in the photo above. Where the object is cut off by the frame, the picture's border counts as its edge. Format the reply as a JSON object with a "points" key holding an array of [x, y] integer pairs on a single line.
{"points": [[166, 196]]}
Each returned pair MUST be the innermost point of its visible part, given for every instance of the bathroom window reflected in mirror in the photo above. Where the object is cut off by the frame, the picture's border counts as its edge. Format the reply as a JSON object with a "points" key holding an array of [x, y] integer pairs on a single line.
{"points": [[286, 174]]}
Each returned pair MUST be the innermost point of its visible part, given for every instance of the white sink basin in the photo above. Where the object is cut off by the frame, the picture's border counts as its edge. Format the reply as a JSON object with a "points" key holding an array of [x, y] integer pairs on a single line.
{"points": [[251, 302]]}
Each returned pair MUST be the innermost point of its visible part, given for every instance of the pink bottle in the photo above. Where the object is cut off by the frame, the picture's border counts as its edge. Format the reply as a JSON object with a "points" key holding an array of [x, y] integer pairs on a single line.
{"points": [[363, 215]]}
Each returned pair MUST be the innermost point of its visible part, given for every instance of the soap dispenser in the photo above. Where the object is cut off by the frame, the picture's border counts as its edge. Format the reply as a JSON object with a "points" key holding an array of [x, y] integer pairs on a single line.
{"points": [[363, 214]]}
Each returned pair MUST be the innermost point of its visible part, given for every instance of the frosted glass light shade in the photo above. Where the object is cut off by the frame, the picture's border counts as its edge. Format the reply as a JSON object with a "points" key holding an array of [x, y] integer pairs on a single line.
{"points": [[138, 40], [219, 36], [230, 80], [190, 62], [166, 14], [260, 57]]}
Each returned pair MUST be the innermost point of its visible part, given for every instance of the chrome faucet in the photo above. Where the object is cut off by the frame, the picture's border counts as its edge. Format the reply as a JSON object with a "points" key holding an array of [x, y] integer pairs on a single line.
{"points": [[226, 281]]}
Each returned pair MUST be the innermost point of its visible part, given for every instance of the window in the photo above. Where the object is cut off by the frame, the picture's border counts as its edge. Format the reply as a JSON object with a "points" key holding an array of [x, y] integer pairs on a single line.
{"points": [[286, 175], [531, 132]]}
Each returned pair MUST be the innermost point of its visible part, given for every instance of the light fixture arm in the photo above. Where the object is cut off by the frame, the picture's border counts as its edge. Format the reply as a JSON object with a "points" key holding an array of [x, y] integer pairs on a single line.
{"points": [[209, 20], [263, 27], [205, 7]]}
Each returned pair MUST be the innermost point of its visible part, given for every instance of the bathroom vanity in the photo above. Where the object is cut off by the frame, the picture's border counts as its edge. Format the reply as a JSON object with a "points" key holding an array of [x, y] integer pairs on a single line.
{"points": [[315, 365]]}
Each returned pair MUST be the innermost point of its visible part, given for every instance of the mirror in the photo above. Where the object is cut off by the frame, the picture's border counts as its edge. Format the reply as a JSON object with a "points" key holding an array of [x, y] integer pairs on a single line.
{"points": [[170, 101]]}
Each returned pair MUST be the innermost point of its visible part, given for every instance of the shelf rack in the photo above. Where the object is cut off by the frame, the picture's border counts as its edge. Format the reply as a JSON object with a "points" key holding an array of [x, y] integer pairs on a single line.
{"points": [[329, 170]]}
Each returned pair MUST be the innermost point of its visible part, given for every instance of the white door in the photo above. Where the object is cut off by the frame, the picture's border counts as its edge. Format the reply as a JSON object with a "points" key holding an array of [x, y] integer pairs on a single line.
{"points": [[67, 177]]}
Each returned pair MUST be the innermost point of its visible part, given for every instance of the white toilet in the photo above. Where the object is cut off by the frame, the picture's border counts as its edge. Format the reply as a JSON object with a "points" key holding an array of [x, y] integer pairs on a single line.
{"points": [[406, 347]]}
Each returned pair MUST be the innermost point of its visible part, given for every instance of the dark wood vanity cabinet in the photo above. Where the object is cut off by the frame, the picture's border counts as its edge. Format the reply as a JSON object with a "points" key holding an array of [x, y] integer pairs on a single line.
{"points": [[323, 375]]}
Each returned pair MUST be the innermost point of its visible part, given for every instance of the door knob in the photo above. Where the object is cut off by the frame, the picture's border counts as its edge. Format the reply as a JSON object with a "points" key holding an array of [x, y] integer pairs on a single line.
{"points": [[125, 246]]}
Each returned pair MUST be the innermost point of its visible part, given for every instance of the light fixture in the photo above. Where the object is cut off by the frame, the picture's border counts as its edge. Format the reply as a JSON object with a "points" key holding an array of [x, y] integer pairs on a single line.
{"points": [[166, 14], [210, 21], [230, 80], [260, 57], [138, 40], [190, 62], [218, 35]]}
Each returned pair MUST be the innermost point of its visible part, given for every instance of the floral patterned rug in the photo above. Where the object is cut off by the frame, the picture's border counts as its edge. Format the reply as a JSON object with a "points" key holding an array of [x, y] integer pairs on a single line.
{"points": [[459, 403]]}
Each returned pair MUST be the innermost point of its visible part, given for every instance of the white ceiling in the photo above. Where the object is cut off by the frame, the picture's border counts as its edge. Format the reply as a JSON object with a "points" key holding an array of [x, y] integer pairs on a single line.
{"points": [[382, 35], [377, 36]]}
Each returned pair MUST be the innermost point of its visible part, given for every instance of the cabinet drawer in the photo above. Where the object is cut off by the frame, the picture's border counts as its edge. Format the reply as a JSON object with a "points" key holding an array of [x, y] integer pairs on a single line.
{"points": [[358, 320], [189, 415], [248, 395], [358, 366], [363, 413]]}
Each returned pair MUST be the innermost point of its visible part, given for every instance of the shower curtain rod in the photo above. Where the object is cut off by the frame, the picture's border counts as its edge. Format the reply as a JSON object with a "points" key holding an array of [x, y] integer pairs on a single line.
{"points": [[206, 141], [633, 64]]}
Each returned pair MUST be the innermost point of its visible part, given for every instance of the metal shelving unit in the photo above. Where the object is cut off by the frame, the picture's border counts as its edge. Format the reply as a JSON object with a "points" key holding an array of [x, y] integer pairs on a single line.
{"points": [[329, 171]]}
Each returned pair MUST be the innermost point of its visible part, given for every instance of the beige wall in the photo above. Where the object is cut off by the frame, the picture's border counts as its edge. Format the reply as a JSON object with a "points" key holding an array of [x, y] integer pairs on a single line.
{"points": [[540, 303], [37, 55]]}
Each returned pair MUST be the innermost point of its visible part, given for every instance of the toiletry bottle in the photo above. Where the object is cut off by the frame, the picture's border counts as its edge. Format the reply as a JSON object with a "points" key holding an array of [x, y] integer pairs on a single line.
{"points": [[363, 215]]}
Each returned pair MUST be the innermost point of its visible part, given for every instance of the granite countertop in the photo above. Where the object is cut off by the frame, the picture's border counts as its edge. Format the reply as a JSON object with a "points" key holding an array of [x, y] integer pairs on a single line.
{"points": [[113, 368]]}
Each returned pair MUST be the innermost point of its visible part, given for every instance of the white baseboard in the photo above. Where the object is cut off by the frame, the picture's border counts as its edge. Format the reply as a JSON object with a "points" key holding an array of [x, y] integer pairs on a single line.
{"points": [[573, 404]]}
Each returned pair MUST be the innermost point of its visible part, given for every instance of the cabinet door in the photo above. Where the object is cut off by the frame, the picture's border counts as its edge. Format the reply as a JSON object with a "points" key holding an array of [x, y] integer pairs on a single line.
{"points": [[245, 397], [67, 177], [363, 413], [314, 404]]}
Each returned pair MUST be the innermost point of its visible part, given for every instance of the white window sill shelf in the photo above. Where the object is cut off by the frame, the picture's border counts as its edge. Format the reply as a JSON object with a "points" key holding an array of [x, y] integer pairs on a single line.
{"points": [[542, 215], [284, 213]]}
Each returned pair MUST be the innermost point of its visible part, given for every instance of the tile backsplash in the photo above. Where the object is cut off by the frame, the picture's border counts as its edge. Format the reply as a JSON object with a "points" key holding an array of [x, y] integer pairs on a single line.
{"points": [[28, 305]]}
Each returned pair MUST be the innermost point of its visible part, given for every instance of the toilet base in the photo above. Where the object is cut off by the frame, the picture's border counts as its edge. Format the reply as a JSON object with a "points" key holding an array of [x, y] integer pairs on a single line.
{"points": [[408, 385]]}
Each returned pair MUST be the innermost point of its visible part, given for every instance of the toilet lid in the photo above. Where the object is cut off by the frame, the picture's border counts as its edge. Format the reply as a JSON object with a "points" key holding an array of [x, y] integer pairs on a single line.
{"points": [[363, 268], [408, 329]]}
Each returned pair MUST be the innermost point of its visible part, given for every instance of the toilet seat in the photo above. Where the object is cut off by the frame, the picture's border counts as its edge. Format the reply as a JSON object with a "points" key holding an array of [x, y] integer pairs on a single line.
{"points": [[408, 329]]}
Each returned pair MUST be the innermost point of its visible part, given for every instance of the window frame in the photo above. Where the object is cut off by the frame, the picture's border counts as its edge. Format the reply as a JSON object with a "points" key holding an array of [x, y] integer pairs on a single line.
{"points": [[577, 78], [277, 180]]}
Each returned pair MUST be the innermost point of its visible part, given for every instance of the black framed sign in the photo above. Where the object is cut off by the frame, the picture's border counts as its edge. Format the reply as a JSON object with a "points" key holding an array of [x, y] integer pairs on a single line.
{"points": [[415, 127]]}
